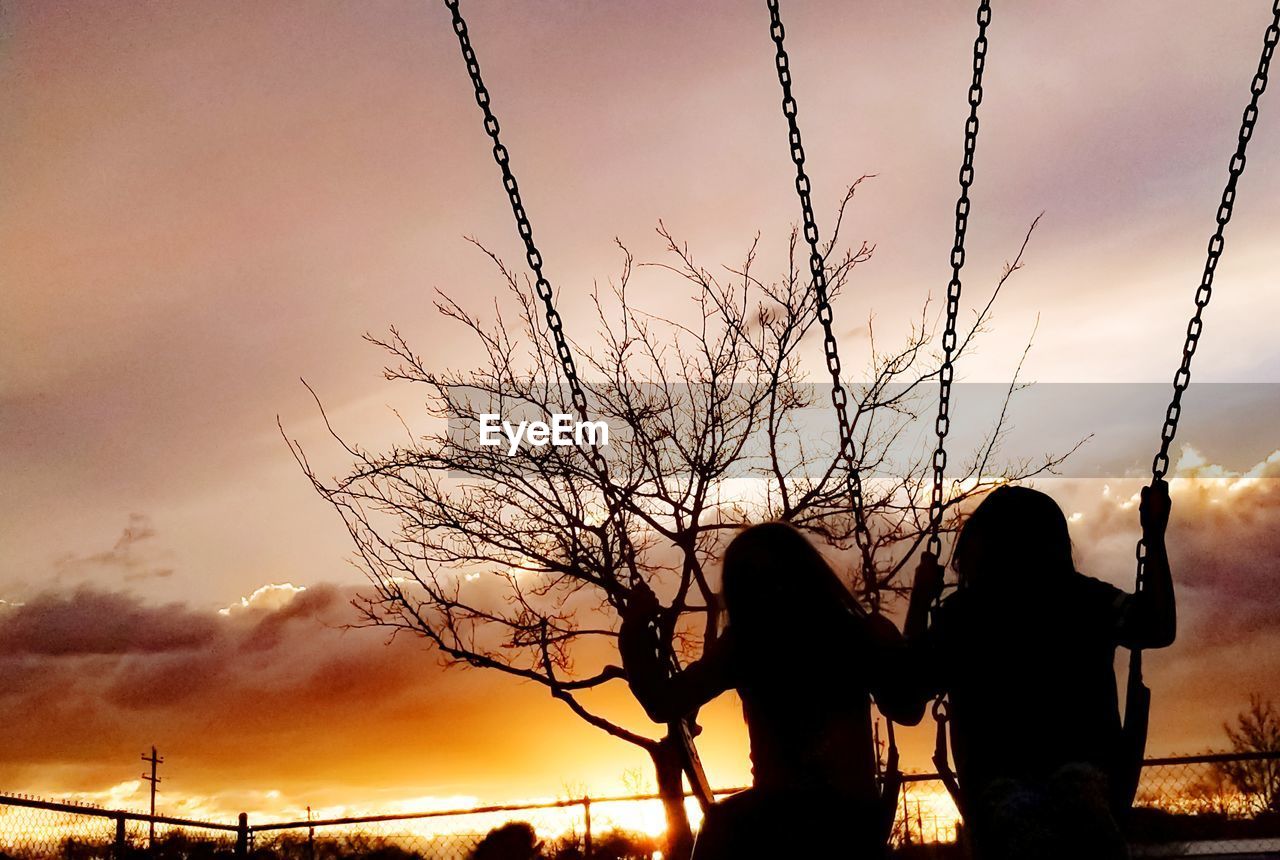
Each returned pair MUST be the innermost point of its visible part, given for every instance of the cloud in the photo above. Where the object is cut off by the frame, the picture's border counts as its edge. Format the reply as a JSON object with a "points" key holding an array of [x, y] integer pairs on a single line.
{"points": [[128, 556], [275, 693], [119, 651], [1223, 539], [1224, 542], [269, 597], [138, 530], [87, 621]]}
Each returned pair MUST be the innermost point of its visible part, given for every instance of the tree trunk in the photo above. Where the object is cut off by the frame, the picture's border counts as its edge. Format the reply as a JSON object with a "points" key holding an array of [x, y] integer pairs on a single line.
{"points": [[666, 761]]}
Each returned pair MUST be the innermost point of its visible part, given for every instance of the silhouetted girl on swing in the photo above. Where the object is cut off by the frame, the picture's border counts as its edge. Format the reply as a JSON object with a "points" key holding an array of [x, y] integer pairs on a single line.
{"points": [[804, 667], [1025, 649]]}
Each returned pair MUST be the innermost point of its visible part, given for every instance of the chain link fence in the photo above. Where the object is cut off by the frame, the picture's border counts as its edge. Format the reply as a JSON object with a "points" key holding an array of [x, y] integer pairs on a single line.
{"points": [[33, 829], [1222, 805], [1210, 805], [27, 831], [926, 813], [559, 828]]}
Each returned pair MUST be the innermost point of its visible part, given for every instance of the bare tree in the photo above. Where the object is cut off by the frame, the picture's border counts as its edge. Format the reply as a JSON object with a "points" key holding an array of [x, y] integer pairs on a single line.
{"points": [[1256, 730], [512, 563]]}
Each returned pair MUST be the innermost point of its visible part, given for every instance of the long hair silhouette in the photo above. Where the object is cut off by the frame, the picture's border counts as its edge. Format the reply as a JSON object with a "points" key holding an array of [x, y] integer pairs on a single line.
{"points": [[755, 592], [777, 589], [1017, 538]]}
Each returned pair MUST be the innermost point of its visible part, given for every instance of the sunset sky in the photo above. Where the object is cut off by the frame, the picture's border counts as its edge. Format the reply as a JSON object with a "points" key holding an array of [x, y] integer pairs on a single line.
{"points": [[202, 202]]}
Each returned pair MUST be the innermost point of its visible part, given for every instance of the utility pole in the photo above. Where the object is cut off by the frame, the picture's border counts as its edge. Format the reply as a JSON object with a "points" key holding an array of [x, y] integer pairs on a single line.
{"points": [[155, 761]]}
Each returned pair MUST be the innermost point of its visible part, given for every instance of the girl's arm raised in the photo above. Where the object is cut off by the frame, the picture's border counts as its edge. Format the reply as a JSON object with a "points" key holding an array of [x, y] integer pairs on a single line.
{"points": [[926, 589], [1152, 617], [664, 695]]}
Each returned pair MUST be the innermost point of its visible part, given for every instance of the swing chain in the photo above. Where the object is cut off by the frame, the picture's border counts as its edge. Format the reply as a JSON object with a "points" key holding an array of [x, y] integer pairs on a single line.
{"points": [[946, 372], [817, 269], [541, 285], [1204, 292]]}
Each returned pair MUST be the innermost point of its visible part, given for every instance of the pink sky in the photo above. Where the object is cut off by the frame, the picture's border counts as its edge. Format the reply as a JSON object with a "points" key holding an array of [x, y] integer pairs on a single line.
{"points": [[201, 202]]}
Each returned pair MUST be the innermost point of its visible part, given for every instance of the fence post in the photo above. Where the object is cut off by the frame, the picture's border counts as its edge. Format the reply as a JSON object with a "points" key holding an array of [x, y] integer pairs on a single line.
{"points": [[586, 826], [122, 841], [311, 837], [906, 820], [242, 835]]}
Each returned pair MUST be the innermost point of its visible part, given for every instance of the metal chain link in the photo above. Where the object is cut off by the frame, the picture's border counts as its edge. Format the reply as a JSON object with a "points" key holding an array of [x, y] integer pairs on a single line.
{"points": [[541, 285], [946, 373], [817, 268], [1204, 292], [685, 729], [891, 778]]}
